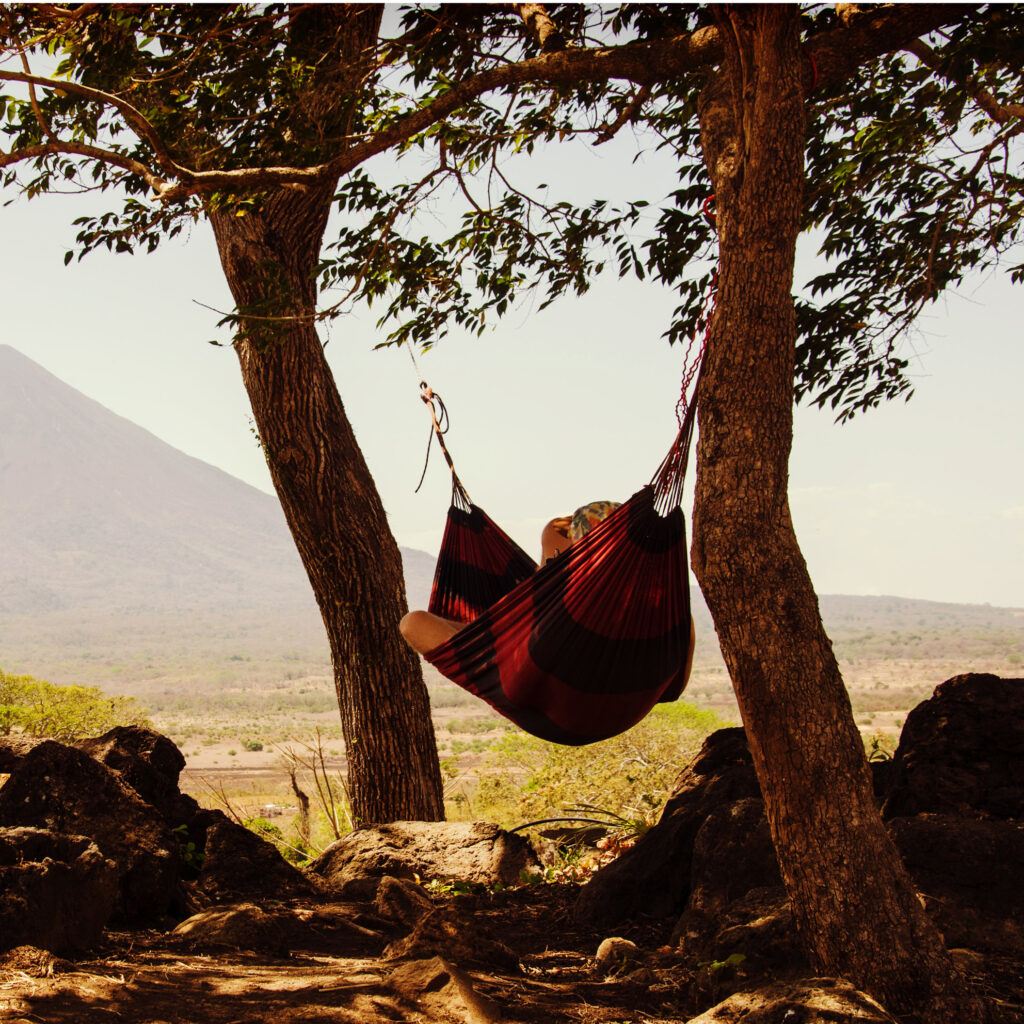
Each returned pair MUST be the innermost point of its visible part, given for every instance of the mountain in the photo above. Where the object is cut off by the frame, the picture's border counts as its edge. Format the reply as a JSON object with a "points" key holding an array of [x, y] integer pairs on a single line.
{"points": [[97, 513]]}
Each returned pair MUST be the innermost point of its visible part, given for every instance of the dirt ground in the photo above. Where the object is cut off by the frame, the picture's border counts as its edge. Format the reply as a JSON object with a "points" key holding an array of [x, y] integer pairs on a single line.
{"points": [[335, 969]]}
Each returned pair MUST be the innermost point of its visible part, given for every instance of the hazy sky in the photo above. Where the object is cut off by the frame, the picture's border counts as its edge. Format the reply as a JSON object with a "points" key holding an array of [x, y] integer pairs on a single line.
{"points": [[551, 410]]}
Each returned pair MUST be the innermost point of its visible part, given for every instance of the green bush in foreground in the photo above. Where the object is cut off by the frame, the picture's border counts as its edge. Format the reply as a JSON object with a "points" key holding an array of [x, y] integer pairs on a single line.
{"points": [[38, 708], [525, 779]]}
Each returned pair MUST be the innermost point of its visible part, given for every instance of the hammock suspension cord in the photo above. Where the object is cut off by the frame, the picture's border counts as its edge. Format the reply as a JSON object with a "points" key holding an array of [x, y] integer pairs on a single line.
{"points": [[440, 423]]}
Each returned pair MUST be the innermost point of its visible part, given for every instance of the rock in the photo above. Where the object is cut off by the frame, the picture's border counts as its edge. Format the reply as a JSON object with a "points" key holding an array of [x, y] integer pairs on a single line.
{"points": [[970, 872], [476, 852], [805, 1001], [451, 931], [64, 790], [962, 751], [35, 962], [13, 750], [439, 990], [149, 763], [654, 876], [759, 926], [244, 926], [732, 854], [403, 901], [57, 892], [615, 953], [238, 865]]}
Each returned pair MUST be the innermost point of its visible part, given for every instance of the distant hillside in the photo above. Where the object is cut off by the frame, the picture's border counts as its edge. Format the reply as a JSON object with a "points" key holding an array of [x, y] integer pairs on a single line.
{"points": [[98, 514], [127, 564]]}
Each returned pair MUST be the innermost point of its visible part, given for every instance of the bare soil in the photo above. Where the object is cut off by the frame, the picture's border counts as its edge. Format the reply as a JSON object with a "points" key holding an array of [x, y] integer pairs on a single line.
{"points": [[150, 977], [336, 970]]}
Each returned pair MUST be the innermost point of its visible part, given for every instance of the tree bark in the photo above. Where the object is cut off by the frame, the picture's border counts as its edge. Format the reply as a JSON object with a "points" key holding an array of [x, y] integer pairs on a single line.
{"points": [[855, 907], [331, 505]]}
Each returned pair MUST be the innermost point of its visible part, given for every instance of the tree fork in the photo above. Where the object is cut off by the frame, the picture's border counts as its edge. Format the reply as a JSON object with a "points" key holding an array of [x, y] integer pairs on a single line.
{"points": [[854, 905]]}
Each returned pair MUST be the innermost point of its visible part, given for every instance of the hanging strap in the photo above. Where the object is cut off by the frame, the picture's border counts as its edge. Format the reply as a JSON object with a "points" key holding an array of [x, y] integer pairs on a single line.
{"points": [[670, 475], [439, 424]]}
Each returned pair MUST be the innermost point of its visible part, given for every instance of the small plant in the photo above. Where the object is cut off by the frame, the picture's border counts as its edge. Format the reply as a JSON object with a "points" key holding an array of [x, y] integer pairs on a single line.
{"points": [[732, 960], [264, 829], [880, 747], [253, 746], [188, 852]]}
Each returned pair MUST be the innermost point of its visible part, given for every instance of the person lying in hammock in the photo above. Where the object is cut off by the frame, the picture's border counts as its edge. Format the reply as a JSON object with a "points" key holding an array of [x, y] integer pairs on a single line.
{"points": [[424, 631]]}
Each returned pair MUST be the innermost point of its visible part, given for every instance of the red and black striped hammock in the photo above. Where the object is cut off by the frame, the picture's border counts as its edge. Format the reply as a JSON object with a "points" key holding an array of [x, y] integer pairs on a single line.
{"points": [[582, 648]]}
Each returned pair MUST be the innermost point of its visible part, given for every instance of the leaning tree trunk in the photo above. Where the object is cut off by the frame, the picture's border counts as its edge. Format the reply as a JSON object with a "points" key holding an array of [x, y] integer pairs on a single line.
{"points": [[855, 908], [331, 505]]}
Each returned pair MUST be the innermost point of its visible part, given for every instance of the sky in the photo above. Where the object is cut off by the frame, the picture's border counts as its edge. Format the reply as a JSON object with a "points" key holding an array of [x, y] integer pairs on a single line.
{"points": [[557, 408]]}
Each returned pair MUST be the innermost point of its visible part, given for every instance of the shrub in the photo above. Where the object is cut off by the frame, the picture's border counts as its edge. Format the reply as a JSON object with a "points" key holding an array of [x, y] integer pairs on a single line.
{"points": [[38, 708], [525, 779]]}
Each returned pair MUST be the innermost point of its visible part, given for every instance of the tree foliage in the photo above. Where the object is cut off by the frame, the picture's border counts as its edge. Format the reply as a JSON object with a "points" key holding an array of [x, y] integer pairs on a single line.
{"points": [[914, 163], [33, 707]]}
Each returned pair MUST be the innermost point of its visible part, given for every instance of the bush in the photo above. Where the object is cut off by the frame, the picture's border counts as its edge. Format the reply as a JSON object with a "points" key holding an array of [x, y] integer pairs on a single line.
{"points": [[525, 779], [38, 708], [252, 745]]}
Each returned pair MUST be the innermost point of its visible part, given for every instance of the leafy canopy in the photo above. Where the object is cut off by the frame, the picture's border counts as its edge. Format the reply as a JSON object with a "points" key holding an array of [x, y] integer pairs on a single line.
{"points": [[914, 161]]}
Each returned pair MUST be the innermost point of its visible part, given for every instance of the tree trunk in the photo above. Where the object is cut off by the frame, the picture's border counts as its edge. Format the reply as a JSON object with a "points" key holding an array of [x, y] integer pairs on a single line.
{"points": [[331, 505], [855, 907]]}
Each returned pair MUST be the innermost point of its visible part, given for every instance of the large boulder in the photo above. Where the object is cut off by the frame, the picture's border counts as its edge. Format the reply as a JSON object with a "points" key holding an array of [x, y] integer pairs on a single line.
{"points": [[759, 928], [732, 854], [970, 873], [476, 852], [654, 877], [962, 751], [242, 926], [56, 891], [64, 790], [238, 865], [149, 763]]}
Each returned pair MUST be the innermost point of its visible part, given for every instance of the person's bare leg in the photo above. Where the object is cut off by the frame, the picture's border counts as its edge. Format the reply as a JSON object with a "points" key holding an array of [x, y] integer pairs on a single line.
{"points": [[423, 631]]}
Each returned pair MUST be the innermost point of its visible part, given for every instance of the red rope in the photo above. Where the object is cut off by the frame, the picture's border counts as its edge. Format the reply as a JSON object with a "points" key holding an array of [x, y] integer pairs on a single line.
{"points": [[691, 367]]}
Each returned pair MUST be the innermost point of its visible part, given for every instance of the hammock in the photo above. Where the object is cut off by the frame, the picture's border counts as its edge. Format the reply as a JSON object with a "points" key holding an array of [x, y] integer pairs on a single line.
{"points": [[582, 648]]}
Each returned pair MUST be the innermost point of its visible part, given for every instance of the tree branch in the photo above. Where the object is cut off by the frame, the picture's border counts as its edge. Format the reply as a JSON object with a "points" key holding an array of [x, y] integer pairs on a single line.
{"points": [[539, 24], [872, 31], [106, 156], [1001, 113], [143, 129], [609, 131], [838, 53]]}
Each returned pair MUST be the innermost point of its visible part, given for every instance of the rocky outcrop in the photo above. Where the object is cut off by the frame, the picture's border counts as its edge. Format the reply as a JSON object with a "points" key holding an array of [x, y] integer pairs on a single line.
{"points": [[654, 877], [65, 791], [971, 874], [238, 865], [732, 854], [475, 852], [961, 752], [147, 762], [56, 891], [954, 797], [244, 926]]}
